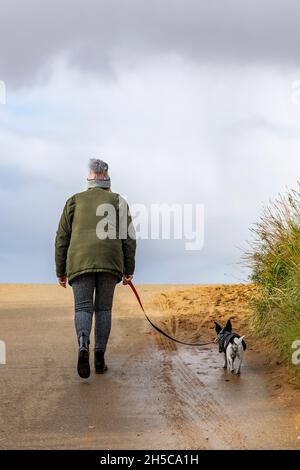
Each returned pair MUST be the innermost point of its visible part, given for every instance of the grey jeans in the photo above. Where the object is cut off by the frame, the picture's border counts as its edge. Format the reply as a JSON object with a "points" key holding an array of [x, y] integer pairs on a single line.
{"points": [[93, 292]]}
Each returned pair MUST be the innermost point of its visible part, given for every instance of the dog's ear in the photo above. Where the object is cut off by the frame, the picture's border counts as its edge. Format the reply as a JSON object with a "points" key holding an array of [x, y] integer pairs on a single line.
{"points": [[218, 327], [228, 326]]}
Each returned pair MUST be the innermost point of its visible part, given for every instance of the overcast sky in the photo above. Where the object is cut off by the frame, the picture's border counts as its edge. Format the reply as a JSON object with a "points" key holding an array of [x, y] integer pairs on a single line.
{"points": [[188, 101]]}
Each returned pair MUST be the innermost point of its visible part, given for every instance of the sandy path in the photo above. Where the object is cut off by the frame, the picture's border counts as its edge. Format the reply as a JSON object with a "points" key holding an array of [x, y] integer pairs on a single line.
{"points": [[155, 395]]}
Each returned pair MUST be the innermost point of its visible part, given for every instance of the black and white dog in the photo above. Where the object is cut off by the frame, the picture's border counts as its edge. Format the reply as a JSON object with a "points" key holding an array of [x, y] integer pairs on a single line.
{"points": [[232, 345]]}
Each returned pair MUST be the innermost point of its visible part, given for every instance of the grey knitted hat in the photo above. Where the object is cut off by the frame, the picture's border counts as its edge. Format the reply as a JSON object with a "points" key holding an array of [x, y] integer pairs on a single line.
{"points": [[100, 168]]}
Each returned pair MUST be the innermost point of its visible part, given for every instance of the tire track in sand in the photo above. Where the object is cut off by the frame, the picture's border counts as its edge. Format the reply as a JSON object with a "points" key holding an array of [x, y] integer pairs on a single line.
{"points": [[192, 407]]}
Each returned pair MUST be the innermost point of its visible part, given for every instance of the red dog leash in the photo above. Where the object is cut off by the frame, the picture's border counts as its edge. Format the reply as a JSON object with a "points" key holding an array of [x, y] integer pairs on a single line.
{"points": [[157, 328]]}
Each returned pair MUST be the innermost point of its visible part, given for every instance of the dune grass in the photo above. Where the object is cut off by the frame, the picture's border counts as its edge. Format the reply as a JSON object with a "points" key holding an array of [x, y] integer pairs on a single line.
{"points": [[274, 258]]}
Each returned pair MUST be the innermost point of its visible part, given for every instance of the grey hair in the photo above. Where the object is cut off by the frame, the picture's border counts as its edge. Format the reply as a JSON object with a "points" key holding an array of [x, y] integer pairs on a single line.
{"points": [[98, 166]]}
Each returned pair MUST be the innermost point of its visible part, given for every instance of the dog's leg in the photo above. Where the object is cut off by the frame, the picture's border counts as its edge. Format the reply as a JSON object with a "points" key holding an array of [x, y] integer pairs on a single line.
{"points": [[240, 357], [225, 363], [230, 364], [229, 358]]}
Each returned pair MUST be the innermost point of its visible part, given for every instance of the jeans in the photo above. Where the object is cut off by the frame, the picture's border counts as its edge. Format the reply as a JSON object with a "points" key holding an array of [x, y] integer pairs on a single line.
{"points": [[93, 292]]}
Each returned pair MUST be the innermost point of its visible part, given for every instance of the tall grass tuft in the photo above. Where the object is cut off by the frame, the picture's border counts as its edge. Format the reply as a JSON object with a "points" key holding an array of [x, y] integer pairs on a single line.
{"points": [[274, 258]]}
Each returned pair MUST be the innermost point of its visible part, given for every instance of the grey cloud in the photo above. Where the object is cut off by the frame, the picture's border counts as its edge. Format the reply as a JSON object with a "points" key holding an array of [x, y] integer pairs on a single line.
{"points": [[222, 137], [97, 34]]}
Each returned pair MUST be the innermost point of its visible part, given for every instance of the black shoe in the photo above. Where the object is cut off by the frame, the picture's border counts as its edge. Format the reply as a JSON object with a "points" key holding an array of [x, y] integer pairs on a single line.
{"points": [[100, 366], [83, 365]]}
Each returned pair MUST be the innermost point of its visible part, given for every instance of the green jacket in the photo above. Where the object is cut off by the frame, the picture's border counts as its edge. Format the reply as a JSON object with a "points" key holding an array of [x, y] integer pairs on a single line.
{"points": [[82, 244]]}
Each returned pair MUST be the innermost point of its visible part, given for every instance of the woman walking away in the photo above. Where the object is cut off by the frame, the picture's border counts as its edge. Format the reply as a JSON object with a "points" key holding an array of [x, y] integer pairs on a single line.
{"points": [[94, 250]]}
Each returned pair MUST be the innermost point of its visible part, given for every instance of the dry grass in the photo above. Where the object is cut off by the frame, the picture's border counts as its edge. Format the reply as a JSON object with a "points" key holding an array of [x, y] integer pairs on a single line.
{"points": [[274, 257]]}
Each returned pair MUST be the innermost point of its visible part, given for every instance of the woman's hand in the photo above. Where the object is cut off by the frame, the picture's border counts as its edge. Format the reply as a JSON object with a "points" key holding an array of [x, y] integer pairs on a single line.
{"points": [[127, 278], [62, 281]]}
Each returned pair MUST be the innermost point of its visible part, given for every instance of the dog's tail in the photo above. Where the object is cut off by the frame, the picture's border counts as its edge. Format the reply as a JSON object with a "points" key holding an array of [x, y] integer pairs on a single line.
{"points": [[238, 341]]}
